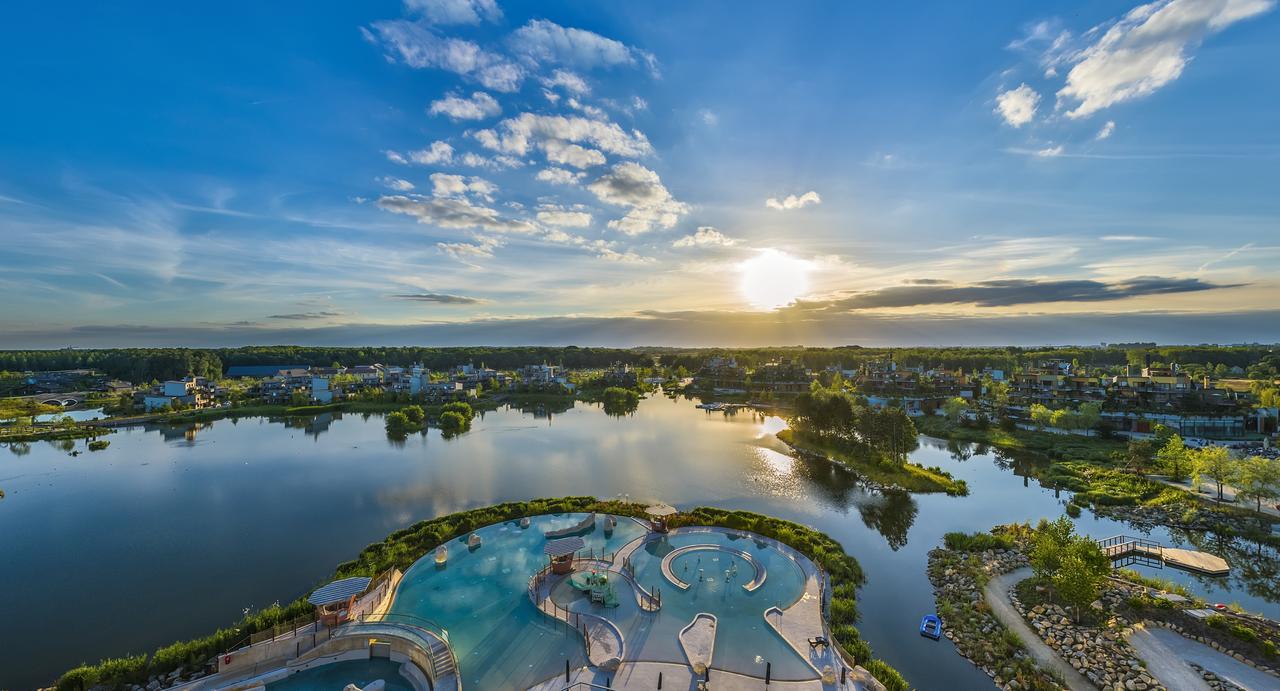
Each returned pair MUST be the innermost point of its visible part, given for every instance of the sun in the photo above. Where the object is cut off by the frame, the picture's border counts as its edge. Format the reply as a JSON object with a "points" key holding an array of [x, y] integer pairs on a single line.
{"points": [[774, 279]]}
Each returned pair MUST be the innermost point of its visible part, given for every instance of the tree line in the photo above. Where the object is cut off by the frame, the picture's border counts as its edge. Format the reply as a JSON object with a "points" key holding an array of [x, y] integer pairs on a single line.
{"points": [[850, 423]]}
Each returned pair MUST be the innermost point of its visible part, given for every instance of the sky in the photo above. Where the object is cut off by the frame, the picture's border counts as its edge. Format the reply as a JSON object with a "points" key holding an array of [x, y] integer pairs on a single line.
{"points": [[454, 172]]}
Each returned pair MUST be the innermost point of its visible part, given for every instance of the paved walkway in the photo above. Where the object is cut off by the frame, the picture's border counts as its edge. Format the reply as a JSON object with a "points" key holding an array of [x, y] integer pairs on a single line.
{"points": [[1173, 650], [997, 596], [644, 676], [1209, 491], [1164, 664]]}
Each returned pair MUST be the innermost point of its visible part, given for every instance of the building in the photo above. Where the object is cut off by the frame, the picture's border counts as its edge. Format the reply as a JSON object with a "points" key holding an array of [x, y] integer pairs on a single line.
{"points": [[191, 392]]}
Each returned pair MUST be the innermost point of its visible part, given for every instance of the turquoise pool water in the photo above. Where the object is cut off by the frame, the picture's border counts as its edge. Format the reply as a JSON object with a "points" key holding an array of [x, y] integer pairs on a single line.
{"points": [[336, 676], [501, 640]]}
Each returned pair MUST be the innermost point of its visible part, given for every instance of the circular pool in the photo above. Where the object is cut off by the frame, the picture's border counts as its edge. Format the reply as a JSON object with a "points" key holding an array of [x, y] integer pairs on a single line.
{"points": [[687, 566]]}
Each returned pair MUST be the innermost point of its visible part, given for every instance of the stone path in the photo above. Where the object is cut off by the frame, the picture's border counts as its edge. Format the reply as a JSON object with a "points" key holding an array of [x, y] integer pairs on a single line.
{"points": [[1172, 651], [996, 594]]}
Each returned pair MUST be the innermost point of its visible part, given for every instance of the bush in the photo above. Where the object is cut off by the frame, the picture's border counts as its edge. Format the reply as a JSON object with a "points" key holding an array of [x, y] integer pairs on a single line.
{"points": [[415, 414], [1073, 509], [452, 421], [976, 542], [461, 408]]}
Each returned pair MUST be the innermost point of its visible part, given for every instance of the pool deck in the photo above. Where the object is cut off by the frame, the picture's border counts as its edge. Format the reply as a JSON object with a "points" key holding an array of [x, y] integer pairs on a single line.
{"points": [[644, 675]]}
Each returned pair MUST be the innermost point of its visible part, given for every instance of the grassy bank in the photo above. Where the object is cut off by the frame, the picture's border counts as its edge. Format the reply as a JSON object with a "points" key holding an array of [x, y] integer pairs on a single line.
{"points": [[908, 476], [52, 434], [403, 547], [1059, 446]]}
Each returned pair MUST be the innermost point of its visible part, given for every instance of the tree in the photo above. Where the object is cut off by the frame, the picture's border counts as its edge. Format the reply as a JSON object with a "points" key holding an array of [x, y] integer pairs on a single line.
{"points": [[1172, 458], [414, 414], [1081, 569], [1089, 414], [398, 424], [1216, 463], [1041, 416], [1046, 551], [1258, 479], [954, 408], [452, 422], [1139, 454]]}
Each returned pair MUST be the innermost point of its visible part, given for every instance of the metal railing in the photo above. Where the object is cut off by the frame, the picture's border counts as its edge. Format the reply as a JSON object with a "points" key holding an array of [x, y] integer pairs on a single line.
{"points": [[278, 631]]}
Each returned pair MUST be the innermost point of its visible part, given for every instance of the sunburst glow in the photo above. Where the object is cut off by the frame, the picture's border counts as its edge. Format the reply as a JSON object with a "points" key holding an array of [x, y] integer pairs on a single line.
{"points": [[774, 279]]}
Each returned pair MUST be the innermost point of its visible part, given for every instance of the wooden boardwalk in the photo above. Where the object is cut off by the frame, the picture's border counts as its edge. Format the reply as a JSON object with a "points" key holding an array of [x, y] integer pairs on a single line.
{"points": [[1121, 546]]}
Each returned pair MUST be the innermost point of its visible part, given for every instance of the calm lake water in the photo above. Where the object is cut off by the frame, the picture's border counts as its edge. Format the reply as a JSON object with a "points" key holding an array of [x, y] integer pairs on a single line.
{"points": [[172, 532]]}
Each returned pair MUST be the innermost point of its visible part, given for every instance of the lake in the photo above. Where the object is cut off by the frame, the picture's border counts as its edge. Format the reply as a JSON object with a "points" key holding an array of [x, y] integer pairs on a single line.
{"points": [[174, 531]]}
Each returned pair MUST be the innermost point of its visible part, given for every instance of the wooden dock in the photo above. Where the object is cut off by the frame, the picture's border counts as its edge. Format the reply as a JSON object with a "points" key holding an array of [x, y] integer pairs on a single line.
{"points": [[1121, 547]]}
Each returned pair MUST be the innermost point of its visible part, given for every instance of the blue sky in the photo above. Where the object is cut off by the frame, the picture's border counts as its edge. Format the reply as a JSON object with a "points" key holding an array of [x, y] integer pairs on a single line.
{"points": [[466, 171]]}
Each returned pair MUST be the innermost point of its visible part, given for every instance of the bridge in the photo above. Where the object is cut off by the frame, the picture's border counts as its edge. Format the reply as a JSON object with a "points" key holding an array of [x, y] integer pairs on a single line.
{"points": [[65, 400], [1124, 550]]}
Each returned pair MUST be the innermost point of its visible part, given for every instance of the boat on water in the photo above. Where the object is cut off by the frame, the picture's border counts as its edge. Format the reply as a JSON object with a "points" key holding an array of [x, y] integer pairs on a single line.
{"points": [[442, 555], [931, 626], [711, 406], [473, 541]]}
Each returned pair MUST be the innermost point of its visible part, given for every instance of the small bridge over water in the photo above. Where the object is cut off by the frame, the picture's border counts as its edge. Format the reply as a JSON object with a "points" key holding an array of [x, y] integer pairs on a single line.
{"points": [[1125, 550]]}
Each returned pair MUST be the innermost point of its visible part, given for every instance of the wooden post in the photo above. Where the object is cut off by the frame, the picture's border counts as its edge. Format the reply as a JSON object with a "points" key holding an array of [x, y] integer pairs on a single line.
{"points": [[659, 680], [566, 670], [768, 672]]}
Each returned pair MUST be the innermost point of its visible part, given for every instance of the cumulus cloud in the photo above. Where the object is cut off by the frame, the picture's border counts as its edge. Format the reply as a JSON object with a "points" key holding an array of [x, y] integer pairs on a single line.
{"points": [[791, 201], [1009, 292], [455, 11], [438, 152], [453, 212], [478, 107], [417, 46], [632, 185], [396, 157], [517, 135], [1106, 130], [446, 185], [398, 184], [439, 298], [1018, 106], [571, 154], [553, 215], [568, 81], [1146, 49], [543, 41], [705, 236], [559, 176]]}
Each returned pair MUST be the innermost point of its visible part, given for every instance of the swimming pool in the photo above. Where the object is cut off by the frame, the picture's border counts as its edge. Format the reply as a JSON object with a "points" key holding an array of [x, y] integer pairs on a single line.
{"points": [[501, 640], [336, 676]]}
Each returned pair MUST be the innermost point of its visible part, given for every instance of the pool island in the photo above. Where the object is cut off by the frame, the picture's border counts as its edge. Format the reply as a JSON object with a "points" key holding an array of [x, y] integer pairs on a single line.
{"points": [[572, 593]]}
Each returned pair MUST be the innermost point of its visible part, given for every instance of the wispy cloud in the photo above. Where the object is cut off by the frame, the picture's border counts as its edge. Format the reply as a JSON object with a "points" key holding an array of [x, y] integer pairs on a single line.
{"points": [[439, 298]]}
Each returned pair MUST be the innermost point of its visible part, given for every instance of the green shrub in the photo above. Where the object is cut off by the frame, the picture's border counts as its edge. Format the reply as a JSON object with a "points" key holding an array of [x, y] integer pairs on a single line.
{"points": [[1073, 509], [886, 675], [976, 542]]}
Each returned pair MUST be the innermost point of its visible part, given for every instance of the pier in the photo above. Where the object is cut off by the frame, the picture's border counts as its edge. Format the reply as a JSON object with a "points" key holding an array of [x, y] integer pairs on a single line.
{"points": [[1131, 550]]}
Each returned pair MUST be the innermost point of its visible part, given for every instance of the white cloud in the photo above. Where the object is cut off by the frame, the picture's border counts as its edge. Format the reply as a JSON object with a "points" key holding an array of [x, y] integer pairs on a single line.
{"points": [[396, 157], [478, 107], [705, 236], [516, 135], [453, 212], [398, 184], [438, 152], [419, 47], [474, 160], [638, 103], [482, 248], [559, 176], [445, 185], [1018, 106], [572, 154], [651, 204], [543, 41], [560, 216], [1050, 151], [1146, 49], [568, 81], [587, 109], [455, 11], [791, 201], [708, 118], [1106, 130]]}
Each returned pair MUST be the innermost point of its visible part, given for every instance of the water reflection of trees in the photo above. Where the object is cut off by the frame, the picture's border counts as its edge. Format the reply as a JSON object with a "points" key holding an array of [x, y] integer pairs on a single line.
{"points": [[889, 512], [19, 448]]}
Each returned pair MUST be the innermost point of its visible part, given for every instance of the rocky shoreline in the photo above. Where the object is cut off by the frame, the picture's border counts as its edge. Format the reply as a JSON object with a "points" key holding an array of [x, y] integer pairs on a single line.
{"points": [[958, 579]]}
